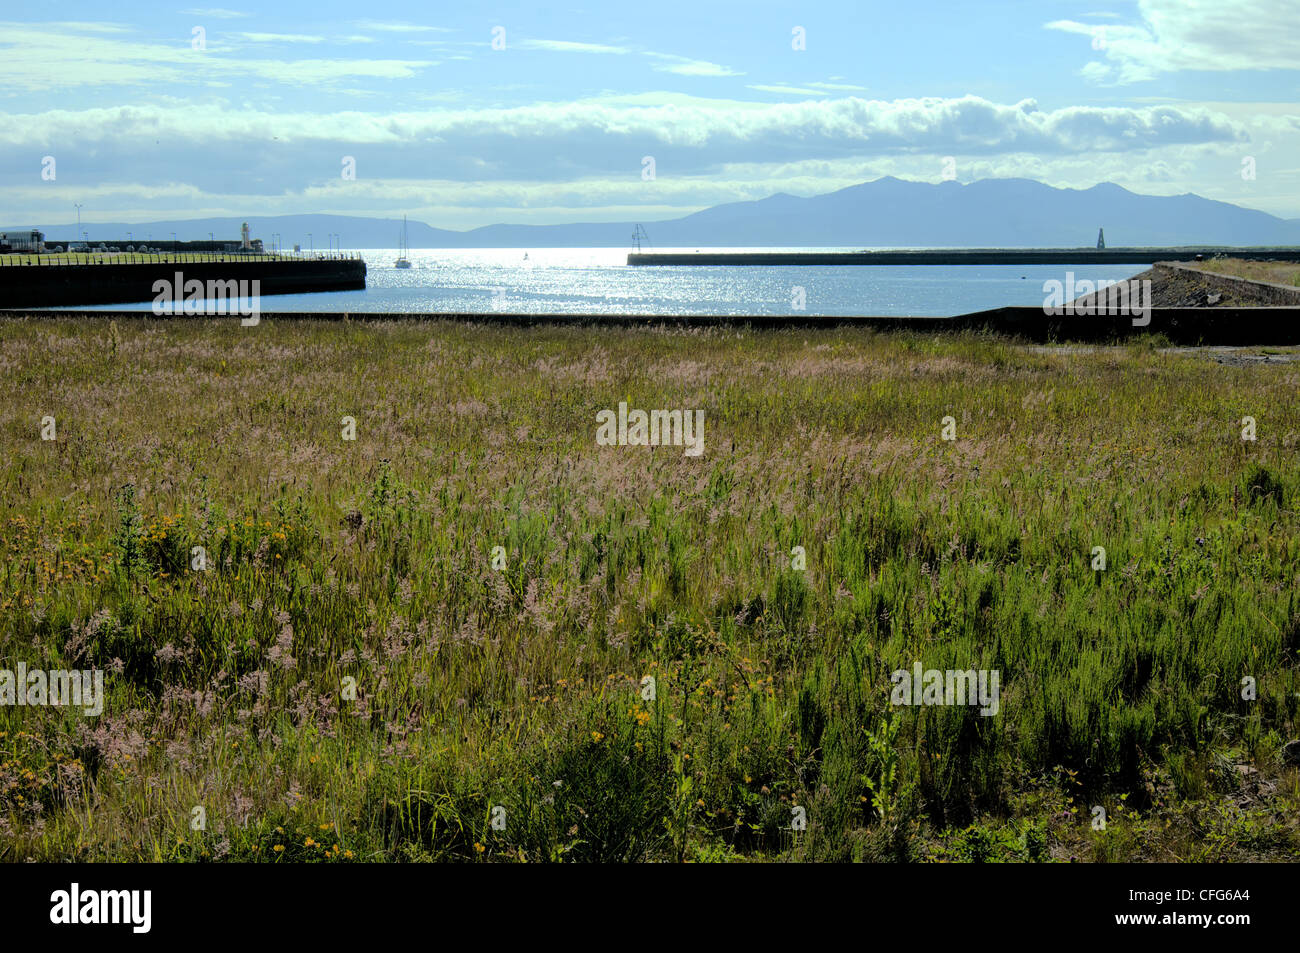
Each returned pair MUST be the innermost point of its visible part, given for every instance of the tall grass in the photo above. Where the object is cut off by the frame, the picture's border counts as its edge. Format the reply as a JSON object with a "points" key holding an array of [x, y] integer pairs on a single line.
{"points": [[647, 677]]}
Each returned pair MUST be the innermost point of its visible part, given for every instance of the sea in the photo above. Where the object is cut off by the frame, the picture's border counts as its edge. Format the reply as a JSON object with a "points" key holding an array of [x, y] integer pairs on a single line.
{"points": [[593, 281]]}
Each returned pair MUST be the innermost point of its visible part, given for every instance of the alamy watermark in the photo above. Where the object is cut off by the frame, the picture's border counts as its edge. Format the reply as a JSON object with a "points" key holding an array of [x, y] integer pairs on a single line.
{"points": [[1103, 297], [656, 428], [947, 687], [179, 296], [38, 688], [76, 906]]}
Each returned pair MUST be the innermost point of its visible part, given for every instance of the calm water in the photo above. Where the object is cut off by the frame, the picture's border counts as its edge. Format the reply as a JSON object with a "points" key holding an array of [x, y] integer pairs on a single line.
{"points": [[598, 281]]}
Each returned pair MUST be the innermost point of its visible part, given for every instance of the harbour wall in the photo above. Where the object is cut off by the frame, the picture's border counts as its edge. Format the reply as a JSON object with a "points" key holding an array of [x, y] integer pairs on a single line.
{"points": [[1192, 326], [60, 285], [966, 256]]}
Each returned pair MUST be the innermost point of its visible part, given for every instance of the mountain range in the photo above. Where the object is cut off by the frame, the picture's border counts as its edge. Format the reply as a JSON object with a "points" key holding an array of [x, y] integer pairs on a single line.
{"points": [[887, 212]]}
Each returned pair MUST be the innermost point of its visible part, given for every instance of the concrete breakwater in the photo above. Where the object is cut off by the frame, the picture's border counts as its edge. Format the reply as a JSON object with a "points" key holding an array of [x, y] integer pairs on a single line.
{"points": [[40, 285], [1230, 286], [1195, 326], [965, 256]]}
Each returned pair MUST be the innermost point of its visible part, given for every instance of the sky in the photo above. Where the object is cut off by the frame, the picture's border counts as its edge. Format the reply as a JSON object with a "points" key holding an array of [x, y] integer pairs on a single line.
{"points": [[466, 114]]}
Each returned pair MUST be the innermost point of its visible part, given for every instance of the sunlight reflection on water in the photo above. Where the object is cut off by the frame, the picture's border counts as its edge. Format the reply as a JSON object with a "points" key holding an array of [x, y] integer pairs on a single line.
{"points": [[599, 281]]}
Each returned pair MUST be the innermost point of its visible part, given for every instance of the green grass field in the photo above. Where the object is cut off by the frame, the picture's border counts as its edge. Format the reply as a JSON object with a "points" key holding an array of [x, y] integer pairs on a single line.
{"points": [[650, 676]]}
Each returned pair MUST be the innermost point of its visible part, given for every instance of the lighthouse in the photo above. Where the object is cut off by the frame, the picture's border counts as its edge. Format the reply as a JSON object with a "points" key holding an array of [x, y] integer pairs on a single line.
{"points": [[244, 243], [1101, 238]]}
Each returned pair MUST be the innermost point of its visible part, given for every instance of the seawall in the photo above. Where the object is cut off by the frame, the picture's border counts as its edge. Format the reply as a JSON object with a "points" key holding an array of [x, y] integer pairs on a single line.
{"points": [[965, 256], [1265, 292], [59, 285], [1191, 326]]}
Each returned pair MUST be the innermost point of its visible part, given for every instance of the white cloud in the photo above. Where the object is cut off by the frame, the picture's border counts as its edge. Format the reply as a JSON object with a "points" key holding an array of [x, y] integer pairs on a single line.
{"points": [[569, 46], [216, 13], [685, 66], [690, 135], [86, 59], [791, 90], [397, 26], [280, 38], [85, 27], [1177, 35]]}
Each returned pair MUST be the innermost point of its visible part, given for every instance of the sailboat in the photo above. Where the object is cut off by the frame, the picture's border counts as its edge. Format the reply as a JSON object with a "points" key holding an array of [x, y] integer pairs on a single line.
{"points": [[402, 261]]}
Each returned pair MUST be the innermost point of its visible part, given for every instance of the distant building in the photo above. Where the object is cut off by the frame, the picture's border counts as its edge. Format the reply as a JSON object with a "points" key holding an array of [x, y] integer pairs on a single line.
{"points": [[21, 241], [246, 243]]}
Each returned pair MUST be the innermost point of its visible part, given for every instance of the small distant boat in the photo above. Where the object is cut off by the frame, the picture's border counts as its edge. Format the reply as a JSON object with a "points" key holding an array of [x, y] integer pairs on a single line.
{"points": [[402, 260], [525, 256]]}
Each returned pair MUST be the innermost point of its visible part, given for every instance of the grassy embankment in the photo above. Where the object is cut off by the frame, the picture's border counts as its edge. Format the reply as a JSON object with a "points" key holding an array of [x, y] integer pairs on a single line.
{"points": [[332, 561], [1274, 272]]}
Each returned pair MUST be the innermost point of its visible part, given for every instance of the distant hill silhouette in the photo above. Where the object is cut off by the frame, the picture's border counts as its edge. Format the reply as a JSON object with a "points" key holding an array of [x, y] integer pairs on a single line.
{"points": [[1005, 213]]}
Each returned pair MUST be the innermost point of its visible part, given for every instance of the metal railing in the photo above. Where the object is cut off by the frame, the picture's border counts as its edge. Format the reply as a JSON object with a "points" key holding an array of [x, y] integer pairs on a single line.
{"points": [[20, 259]]}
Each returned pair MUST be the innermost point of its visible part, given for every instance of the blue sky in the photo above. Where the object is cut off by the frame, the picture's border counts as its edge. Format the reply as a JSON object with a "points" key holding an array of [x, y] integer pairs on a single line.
{"points": [[554, 121]]}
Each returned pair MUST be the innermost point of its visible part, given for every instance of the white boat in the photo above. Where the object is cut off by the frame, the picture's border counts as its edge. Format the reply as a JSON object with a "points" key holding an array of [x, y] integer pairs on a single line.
{"points": [[402, 261]]}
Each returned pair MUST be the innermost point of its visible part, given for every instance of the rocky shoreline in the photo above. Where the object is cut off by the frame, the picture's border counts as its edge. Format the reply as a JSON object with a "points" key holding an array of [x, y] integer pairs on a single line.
{"points": [[1184, 285]]}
